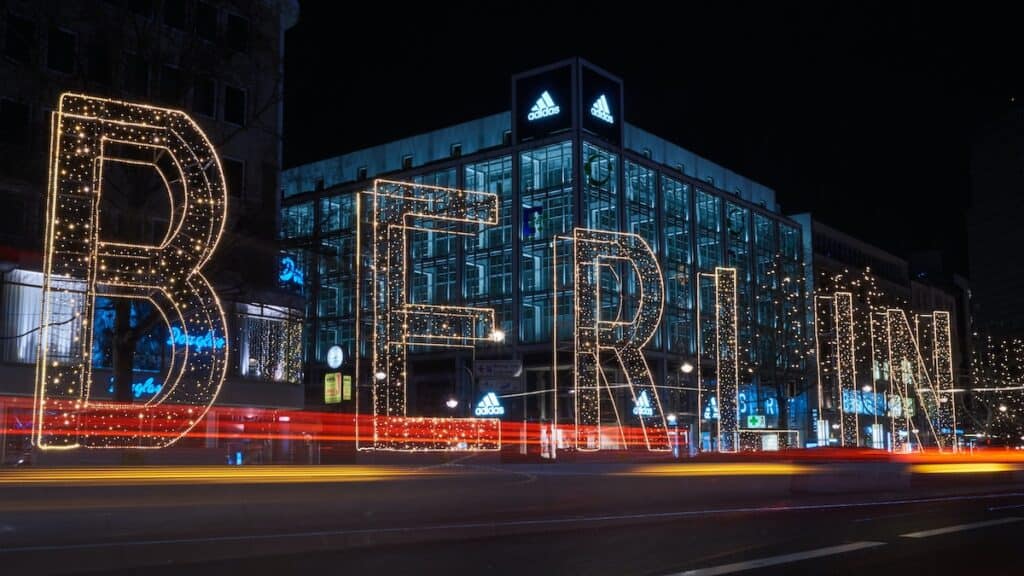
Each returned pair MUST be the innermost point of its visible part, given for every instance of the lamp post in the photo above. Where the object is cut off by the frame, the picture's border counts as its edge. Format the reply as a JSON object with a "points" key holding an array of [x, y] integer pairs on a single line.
{"points": [[686, 368]]}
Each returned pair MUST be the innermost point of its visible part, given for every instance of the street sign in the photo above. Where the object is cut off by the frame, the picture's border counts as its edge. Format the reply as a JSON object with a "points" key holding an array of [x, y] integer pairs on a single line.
{"points": [[498, 368], [756, 421], [501, 385], [346, 387], [499, 376]]}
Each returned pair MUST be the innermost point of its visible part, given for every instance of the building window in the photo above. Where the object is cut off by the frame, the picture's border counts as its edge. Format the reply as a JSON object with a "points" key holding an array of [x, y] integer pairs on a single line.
{"points": [[237, 33], [647, 153], [506, 138], [204, 96], [13, 122], [361, 173], [60, 52], [234, 176], [175, 14], [406, 161], [170, 85], [206, 21], [20, 36], [99, 61], [234, 105], [136, 75], [456, 150]]}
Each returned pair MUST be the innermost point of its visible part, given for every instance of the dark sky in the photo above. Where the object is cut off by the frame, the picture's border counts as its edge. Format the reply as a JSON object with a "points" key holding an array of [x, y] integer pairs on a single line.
{"points": [[861, 113]]}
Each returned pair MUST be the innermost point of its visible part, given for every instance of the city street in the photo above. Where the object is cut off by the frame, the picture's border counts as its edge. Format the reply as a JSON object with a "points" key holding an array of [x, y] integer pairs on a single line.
{"points": [[565, 519]]}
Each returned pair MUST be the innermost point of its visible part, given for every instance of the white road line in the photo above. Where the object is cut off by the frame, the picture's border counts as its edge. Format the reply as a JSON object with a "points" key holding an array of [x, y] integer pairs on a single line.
{"points": [[511, 523], [776, 560], [993, 508], [960, 528]]}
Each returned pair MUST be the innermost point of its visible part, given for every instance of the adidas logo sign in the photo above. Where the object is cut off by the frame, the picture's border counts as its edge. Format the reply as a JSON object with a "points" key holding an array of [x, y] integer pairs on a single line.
{"points": [[489, 406], [601, 110], [643, 405], [544, 107]]}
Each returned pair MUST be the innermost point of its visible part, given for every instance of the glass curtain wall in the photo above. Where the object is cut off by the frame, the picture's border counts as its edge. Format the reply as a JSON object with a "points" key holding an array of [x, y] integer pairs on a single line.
{"points": [[678, 265], [487, 276], [546, 195]]}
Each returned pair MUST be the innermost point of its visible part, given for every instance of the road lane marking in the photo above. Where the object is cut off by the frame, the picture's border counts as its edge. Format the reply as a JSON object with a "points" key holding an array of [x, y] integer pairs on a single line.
{"points": [[994, 508], [960, 528], [504, 524], [776, 560]]}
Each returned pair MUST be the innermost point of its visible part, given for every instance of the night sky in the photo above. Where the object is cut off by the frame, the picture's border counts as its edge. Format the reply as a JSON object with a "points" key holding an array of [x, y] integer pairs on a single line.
{"points": [[860, 113]]}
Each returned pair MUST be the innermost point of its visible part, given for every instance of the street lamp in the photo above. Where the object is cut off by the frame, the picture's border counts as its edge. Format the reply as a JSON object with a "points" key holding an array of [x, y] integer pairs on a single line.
{"points": [[380, 375], [866, 388], [451, 403], [686, 368], [498, 336]]}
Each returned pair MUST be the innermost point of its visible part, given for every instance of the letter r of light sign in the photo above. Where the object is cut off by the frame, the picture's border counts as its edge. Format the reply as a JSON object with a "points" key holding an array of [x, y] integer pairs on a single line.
{"points": [[595, 251], [88, 134]]}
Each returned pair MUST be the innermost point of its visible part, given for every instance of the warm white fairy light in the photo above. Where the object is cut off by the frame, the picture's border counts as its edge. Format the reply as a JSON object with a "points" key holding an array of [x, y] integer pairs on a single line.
{"points": [[727, 359], [398, 208], [87, 133], [942, 359], [846, 362], [910, 373], [596, 251]]}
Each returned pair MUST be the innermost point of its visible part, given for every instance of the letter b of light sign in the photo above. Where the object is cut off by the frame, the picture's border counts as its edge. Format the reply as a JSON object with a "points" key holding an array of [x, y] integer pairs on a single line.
{"points": [[90, 134], [399, 209], [623, 340]]}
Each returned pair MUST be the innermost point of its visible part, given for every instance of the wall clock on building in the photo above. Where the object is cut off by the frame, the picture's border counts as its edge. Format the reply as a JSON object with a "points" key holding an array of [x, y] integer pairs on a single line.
{"points": [[335, 356]]}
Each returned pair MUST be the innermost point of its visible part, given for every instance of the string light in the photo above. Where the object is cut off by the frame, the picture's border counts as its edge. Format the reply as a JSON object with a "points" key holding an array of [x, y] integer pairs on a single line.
{"points": [[895, 354], [398, 208], [88, 133], [846, 366], [726, 359], [596, 251]]}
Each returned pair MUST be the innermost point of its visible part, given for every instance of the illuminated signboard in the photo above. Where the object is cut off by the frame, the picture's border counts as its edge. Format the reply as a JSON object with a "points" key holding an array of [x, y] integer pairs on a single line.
{"points": [[601, 110], [756, 421], [290, 273], [643, 405], [148, 387], [543, 103], [489, 406], [601, 103], [544, 107], [332, 388], [197, 342]]}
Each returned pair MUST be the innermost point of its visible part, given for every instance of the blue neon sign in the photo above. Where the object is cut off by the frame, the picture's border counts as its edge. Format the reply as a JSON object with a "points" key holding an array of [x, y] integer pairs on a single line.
{"points": [[148, 387], [643, 405], [489, 406], [290, 273], [196, 342]]}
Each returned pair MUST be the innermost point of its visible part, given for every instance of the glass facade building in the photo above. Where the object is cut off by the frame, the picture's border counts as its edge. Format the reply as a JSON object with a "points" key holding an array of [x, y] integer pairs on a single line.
{"points": [[694, 215]]}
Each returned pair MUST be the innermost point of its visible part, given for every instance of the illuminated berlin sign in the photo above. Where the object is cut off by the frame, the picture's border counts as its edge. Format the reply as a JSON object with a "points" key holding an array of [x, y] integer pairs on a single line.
{"points": [[544, 107], [601, 110]]}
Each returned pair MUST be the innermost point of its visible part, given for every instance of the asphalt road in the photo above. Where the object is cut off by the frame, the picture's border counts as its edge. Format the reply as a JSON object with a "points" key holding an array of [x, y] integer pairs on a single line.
{"points": [[520, 520]]}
